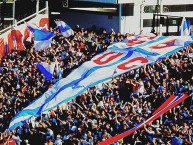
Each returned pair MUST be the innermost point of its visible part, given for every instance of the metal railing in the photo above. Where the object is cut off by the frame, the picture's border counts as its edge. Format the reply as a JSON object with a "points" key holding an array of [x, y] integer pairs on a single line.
{"points": [[45, 10]]}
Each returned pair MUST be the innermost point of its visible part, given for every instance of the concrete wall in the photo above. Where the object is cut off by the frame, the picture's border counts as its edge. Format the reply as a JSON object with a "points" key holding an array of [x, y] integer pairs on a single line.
{"points": [[131, 24]]}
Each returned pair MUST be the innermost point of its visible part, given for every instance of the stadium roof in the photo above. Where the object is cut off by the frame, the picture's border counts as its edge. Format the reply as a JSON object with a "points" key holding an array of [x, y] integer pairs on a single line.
{"points": [[108, 1], [100, 1]]}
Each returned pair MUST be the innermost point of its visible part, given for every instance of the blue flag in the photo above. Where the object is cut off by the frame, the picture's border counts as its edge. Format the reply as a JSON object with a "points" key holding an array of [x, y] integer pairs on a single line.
{"points": [[184, 28], [46, 69], [42, 39], [65, 29]]}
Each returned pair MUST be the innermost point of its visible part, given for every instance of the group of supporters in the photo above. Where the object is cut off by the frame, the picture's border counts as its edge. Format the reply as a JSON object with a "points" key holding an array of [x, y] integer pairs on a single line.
{"points": [[103, 111]]}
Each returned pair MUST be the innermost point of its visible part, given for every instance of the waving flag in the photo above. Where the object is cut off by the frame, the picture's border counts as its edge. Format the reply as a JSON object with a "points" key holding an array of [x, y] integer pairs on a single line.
{"points": [[66, 31], [42, 39], [46, 69], [28, 34], [184, 28], [32, 26], [101, 68], [189, 27]]}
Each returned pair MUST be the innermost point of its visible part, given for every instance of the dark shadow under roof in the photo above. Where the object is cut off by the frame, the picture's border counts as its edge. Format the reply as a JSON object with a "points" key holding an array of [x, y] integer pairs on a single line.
{"points": [[99, 1]]}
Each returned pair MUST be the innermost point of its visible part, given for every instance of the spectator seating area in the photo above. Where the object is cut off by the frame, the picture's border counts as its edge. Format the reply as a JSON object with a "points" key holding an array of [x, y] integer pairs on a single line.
{"points": [[104, 110]]}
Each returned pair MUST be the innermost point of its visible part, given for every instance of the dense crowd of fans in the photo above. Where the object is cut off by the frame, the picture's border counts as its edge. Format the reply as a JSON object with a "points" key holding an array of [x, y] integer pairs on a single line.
{"points": [[103, 111]]}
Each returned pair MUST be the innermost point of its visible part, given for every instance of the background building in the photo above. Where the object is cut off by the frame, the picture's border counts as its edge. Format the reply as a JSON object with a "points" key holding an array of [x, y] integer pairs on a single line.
{"points": [[133, 16], [6, 13], [12, 11]]}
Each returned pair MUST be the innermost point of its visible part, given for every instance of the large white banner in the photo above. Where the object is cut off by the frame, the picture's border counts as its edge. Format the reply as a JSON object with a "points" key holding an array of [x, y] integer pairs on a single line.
{"points": [[120, 58]]}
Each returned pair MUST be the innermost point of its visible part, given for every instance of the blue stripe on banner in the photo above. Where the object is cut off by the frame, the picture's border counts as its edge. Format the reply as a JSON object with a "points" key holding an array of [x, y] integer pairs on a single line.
{"points": [[136, 49], [68, 99], [99, 67], [139, 48], [92, 85], [109, 78], [146, 52], [36, 112], [170, 53], [20, 114], [187, 43], [16, 125]]}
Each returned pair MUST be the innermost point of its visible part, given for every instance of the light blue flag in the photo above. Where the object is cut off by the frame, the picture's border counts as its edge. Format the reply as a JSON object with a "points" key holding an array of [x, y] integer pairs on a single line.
{"points": [[184, 28], [64, 28], [46, 69], [42, 39]]}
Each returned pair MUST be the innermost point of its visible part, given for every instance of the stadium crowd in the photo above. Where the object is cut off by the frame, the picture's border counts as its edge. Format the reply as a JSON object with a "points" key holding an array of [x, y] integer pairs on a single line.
{"points": [[103, 111]]}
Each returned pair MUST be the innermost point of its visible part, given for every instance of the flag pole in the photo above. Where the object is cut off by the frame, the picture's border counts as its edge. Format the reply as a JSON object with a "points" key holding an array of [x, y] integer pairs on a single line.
{"points": [[115, 71], [37, 7]]}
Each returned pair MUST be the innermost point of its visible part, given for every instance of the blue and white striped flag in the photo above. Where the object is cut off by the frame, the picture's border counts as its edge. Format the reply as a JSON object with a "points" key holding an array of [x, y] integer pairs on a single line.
{"points": [[65, 29], [184, 28], [46, 69], [42, 39]]}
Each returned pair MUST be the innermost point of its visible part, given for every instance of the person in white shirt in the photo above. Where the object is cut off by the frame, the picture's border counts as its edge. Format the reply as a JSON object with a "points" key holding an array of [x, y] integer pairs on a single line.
{"points": [[141, 87]]}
